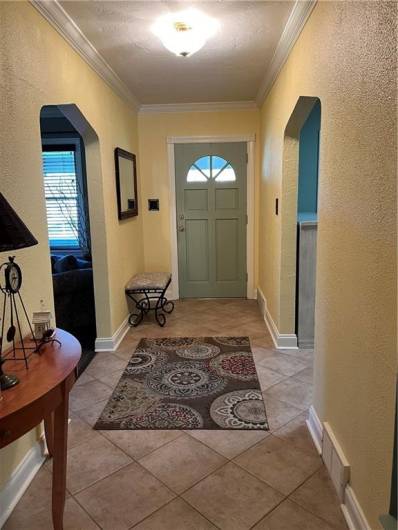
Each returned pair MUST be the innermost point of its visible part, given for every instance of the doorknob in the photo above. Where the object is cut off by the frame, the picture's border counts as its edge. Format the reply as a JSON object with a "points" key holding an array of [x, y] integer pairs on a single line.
{"points": [[181, 228]]}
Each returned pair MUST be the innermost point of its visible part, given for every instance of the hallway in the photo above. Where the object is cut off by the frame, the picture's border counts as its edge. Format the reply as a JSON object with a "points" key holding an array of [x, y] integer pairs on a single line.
{"points": [[199, 480]]}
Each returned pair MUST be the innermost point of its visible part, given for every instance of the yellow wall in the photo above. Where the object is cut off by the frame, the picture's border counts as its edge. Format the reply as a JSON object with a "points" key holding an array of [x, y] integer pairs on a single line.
{"points": [[37, 67], [346, 56], [154, 128]]}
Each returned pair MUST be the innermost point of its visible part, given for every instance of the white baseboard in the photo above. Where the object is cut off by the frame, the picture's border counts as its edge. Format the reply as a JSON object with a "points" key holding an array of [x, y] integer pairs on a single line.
{"points": [[339, 470], [315, 427], [285, 341], [335, 461], [20, 480], [353, 512], [112, 343]]}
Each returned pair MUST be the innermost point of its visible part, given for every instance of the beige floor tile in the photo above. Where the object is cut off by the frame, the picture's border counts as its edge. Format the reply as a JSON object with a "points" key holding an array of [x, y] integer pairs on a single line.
{"points": [[279, 413], [84, 378], [228, 443], [259, 353], [91, 414], [177, 515], [75, 518], [268, 378], [290, 516], [111, 379], [182, 462], [306, 375], [139, 443], [293, 392], [124, 498], [280, 464], [36, 498], [105, 363], [318, 496], [79, 431], [232, 499], [297, 433], [91, 461], [86, 395], [282, 363], [307, 355]]}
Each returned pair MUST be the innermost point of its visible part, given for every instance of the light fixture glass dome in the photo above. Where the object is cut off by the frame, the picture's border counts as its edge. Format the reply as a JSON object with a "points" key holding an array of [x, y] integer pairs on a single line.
{"points": [[186, 32]]}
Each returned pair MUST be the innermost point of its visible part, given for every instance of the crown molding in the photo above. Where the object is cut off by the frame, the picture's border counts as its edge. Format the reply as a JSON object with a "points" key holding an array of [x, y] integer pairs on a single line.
{"points": [[55, 14], [295, 24], [198, 107]]}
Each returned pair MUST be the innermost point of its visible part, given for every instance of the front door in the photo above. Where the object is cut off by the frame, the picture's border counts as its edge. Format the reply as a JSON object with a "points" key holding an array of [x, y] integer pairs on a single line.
{"points": [[211, 219]]}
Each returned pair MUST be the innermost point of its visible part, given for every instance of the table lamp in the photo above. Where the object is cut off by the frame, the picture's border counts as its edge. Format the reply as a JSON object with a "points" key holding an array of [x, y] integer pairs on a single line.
{"points": [[13, 235]]}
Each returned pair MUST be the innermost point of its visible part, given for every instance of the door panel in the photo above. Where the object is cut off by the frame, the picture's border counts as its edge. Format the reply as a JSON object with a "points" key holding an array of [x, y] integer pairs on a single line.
{"points": [[227, 250], [197, 253], [211, 219], [227, 198], [196, 199]]}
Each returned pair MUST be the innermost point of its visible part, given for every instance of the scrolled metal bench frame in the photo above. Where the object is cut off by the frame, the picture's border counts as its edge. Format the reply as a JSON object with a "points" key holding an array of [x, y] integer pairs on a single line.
{"points": [[154, 300]]}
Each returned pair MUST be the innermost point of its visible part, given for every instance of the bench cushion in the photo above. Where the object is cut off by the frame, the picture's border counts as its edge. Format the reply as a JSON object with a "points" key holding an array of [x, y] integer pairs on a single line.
{"points": [[148, 280]]}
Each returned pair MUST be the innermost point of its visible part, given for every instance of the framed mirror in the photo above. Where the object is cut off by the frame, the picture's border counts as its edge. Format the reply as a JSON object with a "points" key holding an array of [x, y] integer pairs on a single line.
{"points": [[126, 183]]}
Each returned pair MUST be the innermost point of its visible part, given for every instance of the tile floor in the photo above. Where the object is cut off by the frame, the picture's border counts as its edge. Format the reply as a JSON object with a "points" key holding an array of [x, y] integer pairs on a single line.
{"points": [[193, 480]]}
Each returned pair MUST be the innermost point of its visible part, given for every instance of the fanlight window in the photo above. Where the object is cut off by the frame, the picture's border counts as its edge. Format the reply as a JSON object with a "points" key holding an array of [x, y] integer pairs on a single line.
{"points": [[211, 167]]}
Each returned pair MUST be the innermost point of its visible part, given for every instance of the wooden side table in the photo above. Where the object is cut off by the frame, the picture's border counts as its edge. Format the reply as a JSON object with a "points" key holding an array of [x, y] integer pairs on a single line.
{"points": [[43, 394]]}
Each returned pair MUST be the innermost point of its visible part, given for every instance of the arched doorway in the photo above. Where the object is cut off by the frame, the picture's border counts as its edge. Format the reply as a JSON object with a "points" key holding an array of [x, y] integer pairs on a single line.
{"points": [[299, 221], [76, 225]]}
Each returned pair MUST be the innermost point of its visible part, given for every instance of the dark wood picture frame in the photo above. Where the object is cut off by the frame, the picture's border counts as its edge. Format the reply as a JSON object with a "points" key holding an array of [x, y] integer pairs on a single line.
{"points": [[131, 212]]}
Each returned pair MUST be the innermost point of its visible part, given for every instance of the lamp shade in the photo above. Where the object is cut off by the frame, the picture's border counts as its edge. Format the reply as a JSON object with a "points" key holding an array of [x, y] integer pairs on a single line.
{"points": [[13, 232]]}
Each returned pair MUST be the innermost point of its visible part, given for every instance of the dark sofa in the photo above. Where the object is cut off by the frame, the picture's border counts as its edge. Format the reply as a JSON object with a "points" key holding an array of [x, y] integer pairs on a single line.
{"points": [[74, 301]]}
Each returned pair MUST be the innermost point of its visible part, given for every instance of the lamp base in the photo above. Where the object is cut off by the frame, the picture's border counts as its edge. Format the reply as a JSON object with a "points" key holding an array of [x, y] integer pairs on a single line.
{"points": [[7, 381]]}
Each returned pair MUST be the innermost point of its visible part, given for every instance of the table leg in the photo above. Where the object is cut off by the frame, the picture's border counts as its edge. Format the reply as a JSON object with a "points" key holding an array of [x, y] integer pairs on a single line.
{"points": [[59, 459], [49, 432]]}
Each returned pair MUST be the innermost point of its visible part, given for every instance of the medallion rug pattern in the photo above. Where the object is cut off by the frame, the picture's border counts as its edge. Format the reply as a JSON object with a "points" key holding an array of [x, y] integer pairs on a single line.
{"points": [[187, 383]]}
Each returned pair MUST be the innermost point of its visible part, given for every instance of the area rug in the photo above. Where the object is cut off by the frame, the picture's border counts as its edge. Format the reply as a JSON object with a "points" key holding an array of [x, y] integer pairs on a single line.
{"points": [[187, 383]]}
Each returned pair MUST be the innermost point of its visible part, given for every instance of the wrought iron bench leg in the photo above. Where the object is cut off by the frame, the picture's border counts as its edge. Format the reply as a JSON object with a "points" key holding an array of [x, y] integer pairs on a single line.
{"points": [[143, 305]]}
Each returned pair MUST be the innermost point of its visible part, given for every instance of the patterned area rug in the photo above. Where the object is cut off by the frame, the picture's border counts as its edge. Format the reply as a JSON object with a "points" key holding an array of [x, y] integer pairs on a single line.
{"points": [[187, 383]]}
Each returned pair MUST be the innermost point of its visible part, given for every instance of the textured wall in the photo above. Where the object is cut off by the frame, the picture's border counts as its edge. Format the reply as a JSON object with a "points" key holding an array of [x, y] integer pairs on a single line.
{"points": [[346, 56], [37, 67], [154, 128]]}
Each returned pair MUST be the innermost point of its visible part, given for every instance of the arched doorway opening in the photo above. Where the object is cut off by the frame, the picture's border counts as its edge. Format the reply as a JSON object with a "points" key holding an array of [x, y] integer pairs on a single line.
{"points": [[75, 221], [299, 219]]}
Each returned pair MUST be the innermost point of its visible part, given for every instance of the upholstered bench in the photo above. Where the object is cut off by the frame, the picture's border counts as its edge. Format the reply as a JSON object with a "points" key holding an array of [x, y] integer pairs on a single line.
{"points": [[147, 290]]}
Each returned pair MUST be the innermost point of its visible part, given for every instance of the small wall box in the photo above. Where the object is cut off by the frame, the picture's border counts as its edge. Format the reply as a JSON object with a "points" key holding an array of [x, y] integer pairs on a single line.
{"points": [[41, 321], [153, 205]]}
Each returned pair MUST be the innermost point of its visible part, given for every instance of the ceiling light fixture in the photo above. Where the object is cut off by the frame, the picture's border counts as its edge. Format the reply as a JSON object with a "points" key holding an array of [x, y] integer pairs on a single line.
{"points": [[186, 32]]}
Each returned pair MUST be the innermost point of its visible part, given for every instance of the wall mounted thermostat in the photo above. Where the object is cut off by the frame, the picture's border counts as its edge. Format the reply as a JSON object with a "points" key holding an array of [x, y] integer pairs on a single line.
{"points": [[153, 205]]}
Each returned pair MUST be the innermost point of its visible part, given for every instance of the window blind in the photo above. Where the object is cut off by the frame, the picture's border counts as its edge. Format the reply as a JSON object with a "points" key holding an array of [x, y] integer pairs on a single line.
{"points": [[61, 193]]}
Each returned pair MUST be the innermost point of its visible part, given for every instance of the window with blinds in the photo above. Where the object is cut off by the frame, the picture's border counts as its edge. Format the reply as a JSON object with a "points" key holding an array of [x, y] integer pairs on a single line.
{"points": [[62, 196]]}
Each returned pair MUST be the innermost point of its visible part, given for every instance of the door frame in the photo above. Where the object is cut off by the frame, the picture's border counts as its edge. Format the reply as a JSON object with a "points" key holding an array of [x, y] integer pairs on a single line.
{"points": [[250, 140]]}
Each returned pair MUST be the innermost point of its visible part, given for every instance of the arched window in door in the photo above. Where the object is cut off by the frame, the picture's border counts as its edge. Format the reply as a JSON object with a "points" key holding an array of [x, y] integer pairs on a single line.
{"points": [[211, 167]]}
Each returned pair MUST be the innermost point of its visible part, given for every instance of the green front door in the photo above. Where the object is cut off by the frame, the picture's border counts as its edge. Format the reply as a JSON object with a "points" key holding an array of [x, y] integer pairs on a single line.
{"points": [[211, 219]]}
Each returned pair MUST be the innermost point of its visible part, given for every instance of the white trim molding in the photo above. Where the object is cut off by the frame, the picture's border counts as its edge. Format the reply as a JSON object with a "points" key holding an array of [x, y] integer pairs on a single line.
{"points": [[353, 512], [210, 106], [338, 468], [210, 139], [295, 24], [20, 479], [316, 429], [112, 343], [56, 15], [249, 139], [285, 341]]}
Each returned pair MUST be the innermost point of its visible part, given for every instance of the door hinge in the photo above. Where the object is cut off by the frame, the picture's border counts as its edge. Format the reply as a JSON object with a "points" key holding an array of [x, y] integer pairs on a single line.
{"points": [[247, 158], [247, 276], [247, 219]]}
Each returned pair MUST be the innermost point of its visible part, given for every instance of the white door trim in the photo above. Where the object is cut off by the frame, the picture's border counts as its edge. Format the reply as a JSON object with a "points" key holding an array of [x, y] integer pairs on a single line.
{"points": [[250, 141]]}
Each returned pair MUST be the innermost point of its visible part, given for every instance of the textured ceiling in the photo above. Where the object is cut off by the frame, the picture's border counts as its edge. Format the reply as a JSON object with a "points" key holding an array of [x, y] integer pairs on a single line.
{"points": [[230, 67]]}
